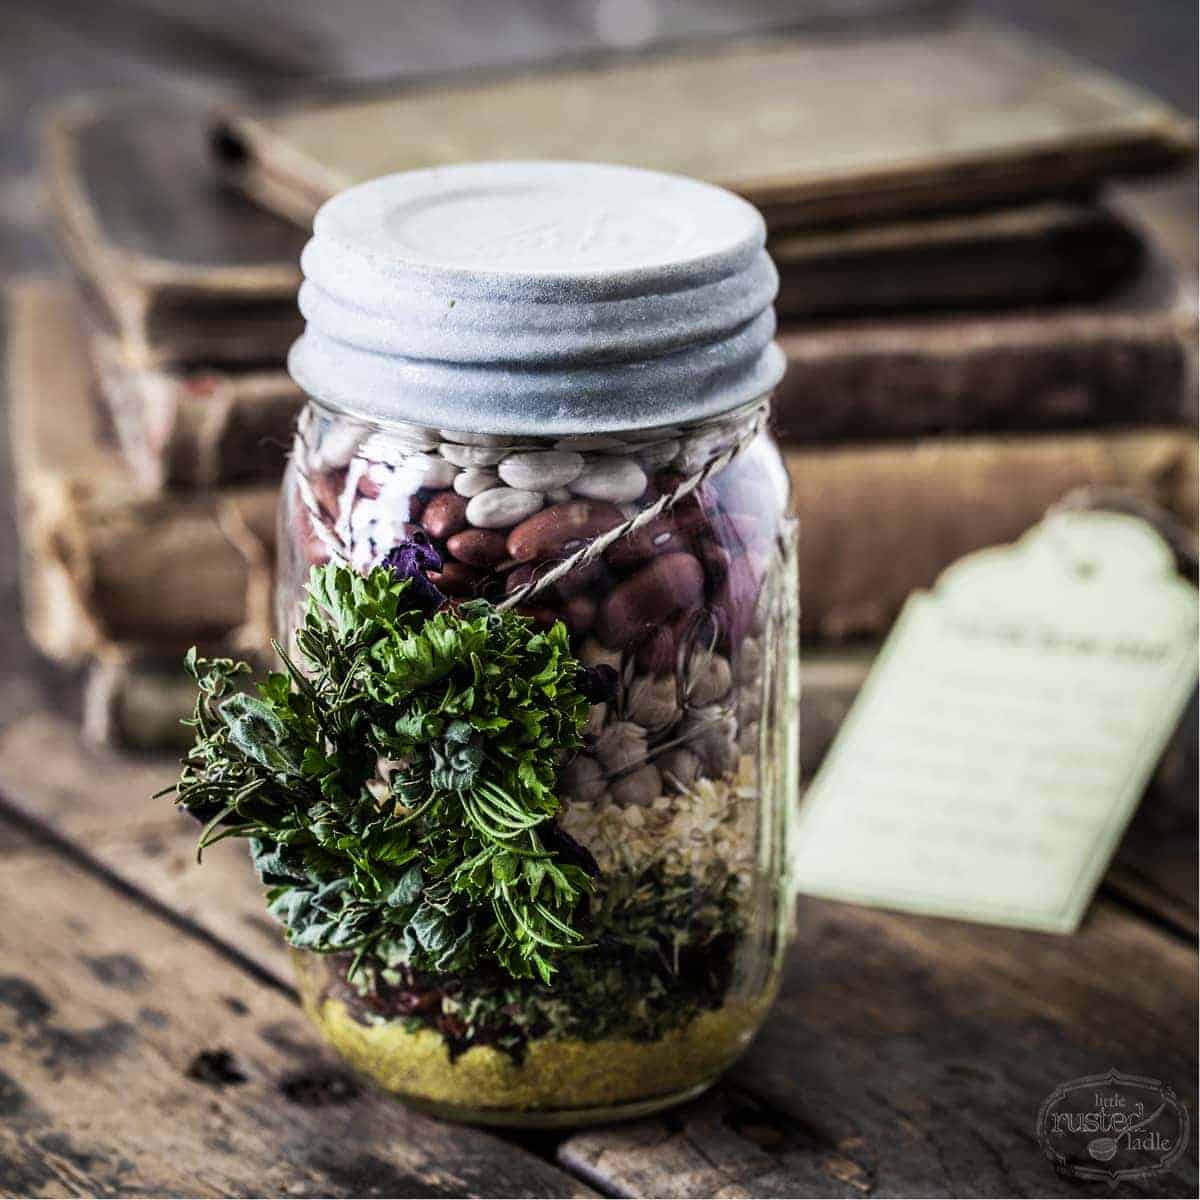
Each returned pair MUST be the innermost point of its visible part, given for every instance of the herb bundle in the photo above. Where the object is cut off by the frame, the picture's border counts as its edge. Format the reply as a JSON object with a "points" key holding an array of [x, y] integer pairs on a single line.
{"points": [[399, 793]]}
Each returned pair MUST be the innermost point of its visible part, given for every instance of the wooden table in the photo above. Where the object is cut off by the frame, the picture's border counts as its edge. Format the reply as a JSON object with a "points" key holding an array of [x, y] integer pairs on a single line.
{"points": [[150, 1041]]}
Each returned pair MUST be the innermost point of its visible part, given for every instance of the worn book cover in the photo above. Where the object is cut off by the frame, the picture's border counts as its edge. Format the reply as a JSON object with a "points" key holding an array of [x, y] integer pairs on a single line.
{"points": [[1049, 253], [175, 266], [819, 130], [196, 428], [102, 562], [1128, 360]]}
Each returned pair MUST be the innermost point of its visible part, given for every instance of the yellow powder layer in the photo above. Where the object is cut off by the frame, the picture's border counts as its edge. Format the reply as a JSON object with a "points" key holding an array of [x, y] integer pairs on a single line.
{"points": [[556, 1074]]}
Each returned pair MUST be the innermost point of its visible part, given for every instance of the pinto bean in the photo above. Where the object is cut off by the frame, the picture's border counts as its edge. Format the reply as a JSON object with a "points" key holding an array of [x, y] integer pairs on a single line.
{"points": [[659, 590], [560, 530]]}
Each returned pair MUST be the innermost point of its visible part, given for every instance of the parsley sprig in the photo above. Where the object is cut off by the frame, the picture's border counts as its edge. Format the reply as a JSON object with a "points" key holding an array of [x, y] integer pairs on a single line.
{"points": [[399, 793]]}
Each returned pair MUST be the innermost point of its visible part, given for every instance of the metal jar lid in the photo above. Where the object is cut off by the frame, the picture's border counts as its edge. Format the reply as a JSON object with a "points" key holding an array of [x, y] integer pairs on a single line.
{"points": [[537, 298]]}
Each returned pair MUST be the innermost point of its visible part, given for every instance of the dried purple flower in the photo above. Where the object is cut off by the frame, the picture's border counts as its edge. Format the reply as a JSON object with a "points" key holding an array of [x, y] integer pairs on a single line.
{"points": [[412, 559]]}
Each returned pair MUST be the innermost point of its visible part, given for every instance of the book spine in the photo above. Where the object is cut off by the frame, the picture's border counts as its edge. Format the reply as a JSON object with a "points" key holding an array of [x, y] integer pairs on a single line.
{"points": [[197, 429], [164, 573], [879, 521], [866, 381]]}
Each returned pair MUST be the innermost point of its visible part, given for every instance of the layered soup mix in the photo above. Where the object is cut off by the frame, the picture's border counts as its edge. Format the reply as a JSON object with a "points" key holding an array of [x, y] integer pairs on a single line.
{"points": [[671, 805]]}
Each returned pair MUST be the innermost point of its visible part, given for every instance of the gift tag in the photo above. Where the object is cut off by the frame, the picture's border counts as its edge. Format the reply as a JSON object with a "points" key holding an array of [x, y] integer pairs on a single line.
{"points": [[1007, 730]]}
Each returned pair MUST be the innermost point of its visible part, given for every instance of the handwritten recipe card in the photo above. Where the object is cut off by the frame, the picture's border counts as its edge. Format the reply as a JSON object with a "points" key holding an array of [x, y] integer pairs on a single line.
{"points": [[996, 753]]}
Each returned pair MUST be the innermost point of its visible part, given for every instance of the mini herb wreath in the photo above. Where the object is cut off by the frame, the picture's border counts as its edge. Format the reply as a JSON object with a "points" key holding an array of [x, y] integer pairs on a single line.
{"points": [[399, 794]]}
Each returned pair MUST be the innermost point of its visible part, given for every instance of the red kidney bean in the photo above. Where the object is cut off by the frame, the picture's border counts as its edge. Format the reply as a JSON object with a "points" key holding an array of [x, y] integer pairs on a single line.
{"points": [[591, 577], [445, 515], [560, 530], [656, 592], [660, 536], [518, 577], [478, 547], [579, 612], [458, 579], [657, 652], [734, 602], [543, 618], [715, 560]]}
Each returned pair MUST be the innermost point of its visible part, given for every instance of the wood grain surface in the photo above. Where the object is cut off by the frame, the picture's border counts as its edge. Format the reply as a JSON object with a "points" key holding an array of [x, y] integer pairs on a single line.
{"points": [[905, 1056], [141, 1061]]}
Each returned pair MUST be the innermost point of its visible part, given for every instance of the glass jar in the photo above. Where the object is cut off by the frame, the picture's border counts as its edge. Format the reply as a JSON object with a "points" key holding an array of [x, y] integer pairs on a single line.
{"points": [[657, 532]]}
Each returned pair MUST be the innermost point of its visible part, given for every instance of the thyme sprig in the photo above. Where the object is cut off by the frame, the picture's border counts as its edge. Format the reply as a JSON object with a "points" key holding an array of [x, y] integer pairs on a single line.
{"points": [[398, 793]]}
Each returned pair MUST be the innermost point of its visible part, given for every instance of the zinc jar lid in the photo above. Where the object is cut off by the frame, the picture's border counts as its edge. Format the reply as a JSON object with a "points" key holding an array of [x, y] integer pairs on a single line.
{"points": [[537, 297]]}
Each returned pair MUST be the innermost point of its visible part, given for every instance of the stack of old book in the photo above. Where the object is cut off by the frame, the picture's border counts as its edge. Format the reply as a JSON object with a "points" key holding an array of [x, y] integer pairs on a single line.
{"points": [[972, 332]]}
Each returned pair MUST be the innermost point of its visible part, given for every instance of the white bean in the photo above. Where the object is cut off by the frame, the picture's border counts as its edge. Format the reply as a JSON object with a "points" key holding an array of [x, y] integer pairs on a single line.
{"points": [[429, 470], [474, 439], [594, 654], [337, 447], [471, 456], [654, 455], [588, 442], [502, 507], [474, 480], [396, 443], [610, 478], [594, 725], [541, 470]]}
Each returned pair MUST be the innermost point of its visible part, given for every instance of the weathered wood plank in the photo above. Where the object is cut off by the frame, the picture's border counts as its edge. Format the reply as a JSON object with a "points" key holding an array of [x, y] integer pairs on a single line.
{"points": [[103, 805], [961, 1028], [139, 1061], [908, 1056]]}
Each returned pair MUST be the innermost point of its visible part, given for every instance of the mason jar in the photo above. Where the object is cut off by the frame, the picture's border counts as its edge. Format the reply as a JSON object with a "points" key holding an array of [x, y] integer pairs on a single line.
{"points": [[556, 377]]}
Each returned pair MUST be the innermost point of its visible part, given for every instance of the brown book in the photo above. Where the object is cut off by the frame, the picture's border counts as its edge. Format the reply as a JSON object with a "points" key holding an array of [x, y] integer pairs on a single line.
{"points": [[102, 562], [1127, 361], [176, 267], [1048, 253], [137, 699], [820, 130], [191, 428], [878, 521]]}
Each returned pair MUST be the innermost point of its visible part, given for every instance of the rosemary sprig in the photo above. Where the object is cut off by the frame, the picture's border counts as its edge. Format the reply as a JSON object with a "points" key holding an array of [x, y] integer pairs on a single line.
{"points": [[397, 792]]}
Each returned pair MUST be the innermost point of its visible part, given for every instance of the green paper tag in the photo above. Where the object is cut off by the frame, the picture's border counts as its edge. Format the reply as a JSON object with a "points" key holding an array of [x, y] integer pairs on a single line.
{"points": [[1001, 743]]}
